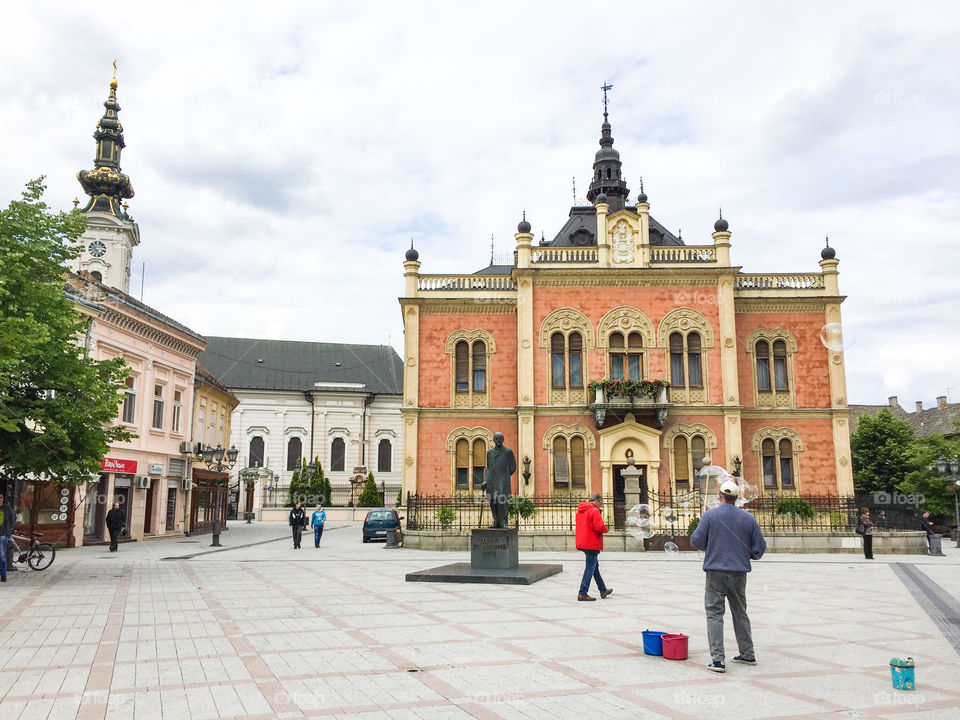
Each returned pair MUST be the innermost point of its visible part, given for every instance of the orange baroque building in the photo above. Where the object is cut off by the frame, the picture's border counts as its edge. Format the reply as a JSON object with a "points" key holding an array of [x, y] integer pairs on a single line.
{"points": [[535, 349]]}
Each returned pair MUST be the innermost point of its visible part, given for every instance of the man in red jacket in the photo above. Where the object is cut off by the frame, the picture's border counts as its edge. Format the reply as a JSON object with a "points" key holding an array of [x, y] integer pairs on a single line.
{"points": [[590, 530]]}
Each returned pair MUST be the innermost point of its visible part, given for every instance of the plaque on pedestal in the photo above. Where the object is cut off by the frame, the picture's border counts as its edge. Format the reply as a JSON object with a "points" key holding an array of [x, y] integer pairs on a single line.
{"points": [[494, 549]]}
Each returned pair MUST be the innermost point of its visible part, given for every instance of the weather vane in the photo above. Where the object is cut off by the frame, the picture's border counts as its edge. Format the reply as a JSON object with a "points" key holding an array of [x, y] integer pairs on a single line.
{"points": [[605, 87]]}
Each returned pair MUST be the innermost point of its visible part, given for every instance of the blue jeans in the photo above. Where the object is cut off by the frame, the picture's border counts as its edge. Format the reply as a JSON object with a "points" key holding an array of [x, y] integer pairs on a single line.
{"points": [[317, 532], [592, 570], [3, 555]]}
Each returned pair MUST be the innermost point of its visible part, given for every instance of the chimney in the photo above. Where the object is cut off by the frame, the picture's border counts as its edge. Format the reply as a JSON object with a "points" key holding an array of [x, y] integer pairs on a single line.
{"points": [[919, 405], [892, 401], [942, 401]]}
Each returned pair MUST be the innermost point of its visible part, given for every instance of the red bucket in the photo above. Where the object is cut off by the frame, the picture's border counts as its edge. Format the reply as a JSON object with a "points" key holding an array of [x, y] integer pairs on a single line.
{"points": [[675, 647]]}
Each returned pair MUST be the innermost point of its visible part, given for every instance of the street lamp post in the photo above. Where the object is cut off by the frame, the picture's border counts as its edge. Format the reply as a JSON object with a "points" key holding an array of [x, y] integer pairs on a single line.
{"points": [[213, 459], [949, 468]]}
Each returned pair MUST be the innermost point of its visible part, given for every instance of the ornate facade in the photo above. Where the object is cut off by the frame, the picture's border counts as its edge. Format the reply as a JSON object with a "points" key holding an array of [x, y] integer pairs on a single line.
{"points": [[616, 296]]}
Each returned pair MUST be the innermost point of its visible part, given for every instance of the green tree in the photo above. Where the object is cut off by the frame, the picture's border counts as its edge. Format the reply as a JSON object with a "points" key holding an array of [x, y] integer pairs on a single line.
{"points": [[318, 486], [936, 491], [57, 405], [299, 485], [370, 497], [884, 452]]}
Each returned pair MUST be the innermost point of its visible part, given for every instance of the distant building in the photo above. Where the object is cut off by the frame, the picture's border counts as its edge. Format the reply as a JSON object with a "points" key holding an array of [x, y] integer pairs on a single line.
{"points": [[616, 296], [336, 402], [942, 418]]}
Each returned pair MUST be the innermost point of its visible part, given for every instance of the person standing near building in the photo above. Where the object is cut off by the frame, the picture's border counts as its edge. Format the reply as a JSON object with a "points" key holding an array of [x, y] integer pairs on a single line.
{"points": [[116, 522], [317, 520], [730, 539], [589, 537], [298, 518], [867, 533], [928, 529], [7, 520]]}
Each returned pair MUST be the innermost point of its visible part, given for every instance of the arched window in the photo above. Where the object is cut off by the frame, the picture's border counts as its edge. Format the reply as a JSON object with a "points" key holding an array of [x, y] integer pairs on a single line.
{"points": [[617, 357], [97, 275], [676, 359], [479, 366], [561, 470], [294, 453], [471, 379], [463, 367], [479, 462], [786, 461], [384, 456], [768, 453], [763, 366], [780, 365], [566, 360], [256, 451], [338, 455], [578, 462], [471, 459], [626, 356], [688, 455], [557, 356], [694, 376]]}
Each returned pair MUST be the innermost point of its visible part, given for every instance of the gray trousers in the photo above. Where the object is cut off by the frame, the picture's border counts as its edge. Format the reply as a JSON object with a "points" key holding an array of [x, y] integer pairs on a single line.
{"points": [[733, 587]]}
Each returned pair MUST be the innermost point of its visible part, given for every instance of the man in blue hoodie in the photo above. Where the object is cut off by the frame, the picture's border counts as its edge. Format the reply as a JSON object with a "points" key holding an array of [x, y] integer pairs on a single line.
{"points": [[730, 539]]}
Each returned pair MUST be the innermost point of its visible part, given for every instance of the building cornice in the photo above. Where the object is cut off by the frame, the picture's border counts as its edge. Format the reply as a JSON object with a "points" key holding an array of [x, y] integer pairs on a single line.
{"points": [[150, 333]]}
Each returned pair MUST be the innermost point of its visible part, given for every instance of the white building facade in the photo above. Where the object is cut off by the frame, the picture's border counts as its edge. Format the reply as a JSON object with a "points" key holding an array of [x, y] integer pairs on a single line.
{"points": [[336, 403]]}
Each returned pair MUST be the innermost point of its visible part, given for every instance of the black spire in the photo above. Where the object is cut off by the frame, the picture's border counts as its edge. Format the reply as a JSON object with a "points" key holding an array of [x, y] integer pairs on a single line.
{"points": [[105, 184], [607, 178]]}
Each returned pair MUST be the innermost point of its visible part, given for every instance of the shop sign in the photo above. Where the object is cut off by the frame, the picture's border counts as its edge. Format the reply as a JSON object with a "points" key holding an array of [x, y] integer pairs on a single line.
{"points": [[119, 466], [156, 469]]}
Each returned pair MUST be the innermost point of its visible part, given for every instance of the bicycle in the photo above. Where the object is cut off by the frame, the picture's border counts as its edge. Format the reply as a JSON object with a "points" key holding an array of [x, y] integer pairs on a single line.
{"points": [[39, 556]]}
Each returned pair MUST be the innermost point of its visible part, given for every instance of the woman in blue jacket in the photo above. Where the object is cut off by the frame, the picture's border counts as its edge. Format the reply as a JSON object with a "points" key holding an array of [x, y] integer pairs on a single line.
{"points": [[317, 520]]}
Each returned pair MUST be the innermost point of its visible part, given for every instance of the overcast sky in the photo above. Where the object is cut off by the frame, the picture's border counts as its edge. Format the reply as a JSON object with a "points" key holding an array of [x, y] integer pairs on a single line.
{"points": [[283, 155]]}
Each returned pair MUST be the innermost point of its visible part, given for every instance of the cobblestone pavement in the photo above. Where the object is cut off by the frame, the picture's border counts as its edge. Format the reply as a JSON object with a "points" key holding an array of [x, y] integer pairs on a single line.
{"points": [[174, 629]]}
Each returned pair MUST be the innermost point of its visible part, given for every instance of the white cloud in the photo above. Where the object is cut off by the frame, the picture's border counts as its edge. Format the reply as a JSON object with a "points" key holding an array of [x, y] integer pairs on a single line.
{"points": [[283, 158]]}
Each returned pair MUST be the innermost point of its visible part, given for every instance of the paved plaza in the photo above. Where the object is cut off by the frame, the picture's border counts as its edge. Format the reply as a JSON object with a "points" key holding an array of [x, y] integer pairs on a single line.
{"points": [[174, 629]]}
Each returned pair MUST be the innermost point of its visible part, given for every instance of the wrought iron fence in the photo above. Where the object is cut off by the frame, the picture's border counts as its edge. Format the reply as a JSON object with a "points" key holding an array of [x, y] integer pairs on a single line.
{"points": [[339, 497], [670, 514]]}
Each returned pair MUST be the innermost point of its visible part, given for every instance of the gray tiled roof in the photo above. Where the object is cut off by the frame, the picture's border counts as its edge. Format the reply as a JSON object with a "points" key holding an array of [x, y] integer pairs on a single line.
{"points": [[925, 422], [583, 223], [251, 364]]}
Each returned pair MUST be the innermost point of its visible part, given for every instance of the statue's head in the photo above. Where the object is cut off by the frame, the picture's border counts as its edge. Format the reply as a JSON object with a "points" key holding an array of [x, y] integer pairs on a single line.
{"points": [[498, 439]]}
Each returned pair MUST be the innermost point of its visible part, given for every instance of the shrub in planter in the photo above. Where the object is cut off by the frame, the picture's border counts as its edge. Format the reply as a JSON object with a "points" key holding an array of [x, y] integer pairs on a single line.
{"points": [[694, 521], [445, 517], [522, 506], [797, 507], [370, 497]]}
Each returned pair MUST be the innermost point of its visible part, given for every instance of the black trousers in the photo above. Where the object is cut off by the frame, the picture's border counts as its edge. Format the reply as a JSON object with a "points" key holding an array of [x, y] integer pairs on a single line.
{"points": [[114, 535], [297, 534], [868, 547]]}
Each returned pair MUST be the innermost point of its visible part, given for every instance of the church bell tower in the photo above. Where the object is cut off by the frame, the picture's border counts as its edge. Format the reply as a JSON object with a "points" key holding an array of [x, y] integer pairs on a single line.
{"points": [[111, 233]]}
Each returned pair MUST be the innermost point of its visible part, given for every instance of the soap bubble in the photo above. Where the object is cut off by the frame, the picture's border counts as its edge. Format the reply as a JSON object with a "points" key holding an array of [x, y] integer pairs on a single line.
{"points": [[710, 501], [711, 478], [748, 492], [831, 335], [669, 515], [685, 504], [638, 521], [671, 549]]}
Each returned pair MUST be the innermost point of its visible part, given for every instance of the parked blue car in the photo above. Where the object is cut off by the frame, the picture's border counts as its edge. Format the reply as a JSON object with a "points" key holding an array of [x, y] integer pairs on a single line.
{"points": [[377, 522]]}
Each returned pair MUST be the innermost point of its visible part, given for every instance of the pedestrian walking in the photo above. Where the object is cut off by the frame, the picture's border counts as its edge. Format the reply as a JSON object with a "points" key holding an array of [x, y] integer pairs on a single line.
{"points": [[589, 540], [317, 520], [298, 518], [116, 525], [867, 533], [730, 538], [7, 519]]}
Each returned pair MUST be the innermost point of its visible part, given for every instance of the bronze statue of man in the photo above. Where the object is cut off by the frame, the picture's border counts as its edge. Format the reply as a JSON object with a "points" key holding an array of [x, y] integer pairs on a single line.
{"points": [[501, 464]]}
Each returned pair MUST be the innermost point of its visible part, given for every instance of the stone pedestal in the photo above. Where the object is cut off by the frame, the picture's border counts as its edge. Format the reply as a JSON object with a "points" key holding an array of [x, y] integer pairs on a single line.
{"points": [[494, 559], [494, 549]]}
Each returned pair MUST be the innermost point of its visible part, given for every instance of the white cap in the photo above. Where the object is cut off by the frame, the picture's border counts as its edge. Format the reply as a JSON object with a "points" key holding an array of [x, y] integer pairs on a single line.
{"points": [[730, 489]]}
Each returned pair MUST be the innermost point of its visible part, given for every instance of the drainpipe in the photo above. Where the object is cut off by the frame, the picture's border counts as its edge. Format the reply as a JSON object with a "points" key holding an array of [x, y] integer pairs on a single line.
{"points": [[309, 398], [367, 401]]}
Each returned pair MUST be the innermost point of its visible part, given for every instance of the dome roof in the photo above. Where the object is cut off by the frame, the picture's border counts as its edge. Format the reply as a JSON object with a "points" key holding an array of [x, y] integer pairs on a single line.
{"points": [[412, 254], [721, 225]]}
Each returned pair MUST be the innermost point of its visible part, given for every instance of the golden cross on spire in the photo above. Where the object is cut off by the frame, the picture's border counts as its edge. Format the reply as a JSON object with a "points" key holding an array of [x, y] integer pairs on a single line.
{"points": [[113, 82]]}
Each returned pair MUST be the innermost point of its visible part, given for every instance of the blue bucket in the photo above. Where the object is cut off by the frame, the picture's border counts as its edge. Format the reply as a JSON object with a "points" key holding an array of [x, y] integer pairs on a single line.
{"points": [[902, 674], [652, 642]]}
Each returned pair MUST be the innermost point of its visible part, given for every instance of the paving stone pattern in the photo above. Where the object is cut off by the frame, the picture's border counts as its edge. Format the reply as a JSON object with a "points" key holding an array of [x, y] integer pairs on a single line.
{"points": [[259, 630]]}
